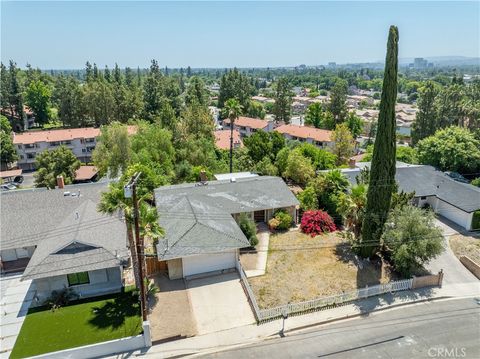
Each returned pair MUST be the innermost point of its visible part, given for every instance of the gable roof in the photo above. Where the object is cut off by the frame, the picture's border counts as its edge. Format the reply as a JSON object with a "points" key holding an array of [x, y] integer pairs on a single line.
{"points": [[91, 241], [427, 181], [306, 132], [243, 121], [198, 217], [57, 219]]}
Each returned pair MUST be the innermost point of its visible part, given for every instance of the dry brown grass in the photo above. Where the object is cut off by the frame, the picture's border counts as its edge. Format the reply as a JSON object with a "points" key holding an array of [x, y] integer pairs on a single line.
{"points": [[466, 245], [301, 268]]}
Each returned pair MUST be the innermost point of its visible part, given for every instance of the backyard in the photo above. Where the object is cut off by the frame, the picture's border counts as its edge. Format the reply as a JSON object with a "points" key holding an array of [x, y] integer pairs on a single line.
{"points": [[80, 323], [301, 268]]}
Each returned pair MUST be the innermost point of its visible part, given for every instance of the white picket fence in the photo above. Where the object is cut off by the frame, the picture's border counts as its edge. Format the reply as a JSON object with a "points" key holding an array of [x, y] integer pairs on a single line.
{"points": [[263, 315]]}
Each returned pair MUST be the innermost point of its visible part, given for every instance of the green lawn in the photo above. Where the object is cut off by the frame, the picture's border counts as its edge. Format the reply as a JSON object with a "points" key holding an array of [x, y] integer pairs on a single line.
{"points": [[81, 323]]}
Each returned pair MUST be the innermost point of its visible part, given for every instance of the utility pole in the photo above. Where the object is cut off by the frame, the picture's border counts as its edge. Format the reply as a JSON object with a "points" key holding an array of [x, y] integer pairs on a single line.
{"points": [[130, 191], [231, 145]]}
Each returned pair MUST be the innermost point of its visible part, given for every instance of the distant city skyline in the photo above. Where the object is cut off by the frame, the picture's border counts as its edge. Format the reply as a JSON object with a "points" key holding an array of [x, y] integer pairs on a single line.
{"points": [[64, 35]]}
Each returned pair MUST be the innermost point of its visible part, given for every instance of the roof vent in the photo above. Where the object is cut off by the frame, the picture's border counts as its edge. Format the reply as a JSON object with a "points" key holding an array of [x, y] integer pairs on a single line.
{"points": [[65, 194], [233, 179]]}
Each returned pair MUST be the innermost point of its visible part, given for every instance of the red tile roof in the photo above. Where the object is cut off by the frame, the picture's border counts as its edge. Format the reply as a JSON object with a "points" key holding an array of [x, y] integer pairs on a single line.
{"points": [[306, 132], [222, 139], [242, 121], [10, 173], [61, 135], [85, 173]]}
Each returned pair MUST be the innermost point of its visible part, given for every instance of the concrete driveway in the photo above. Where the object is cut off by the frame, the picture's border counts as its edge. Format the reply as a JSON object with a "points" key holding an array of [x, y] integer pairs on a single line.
{"points": [[455, 271], [219, 302], [16, 297]]}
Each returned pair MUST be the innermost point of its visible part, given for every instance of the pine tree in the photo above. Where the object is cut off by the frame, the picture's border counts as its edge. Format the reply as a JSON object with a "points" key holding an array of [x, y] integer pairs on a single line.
{"points": [[283, 101], [382, 171], [426, 120]]}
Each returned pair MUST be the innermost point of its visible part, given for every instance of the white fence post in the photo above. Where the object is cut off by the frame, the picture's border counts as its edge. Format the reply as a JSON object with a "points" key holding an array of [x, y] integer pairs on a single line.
{"points": [[147, 333]]}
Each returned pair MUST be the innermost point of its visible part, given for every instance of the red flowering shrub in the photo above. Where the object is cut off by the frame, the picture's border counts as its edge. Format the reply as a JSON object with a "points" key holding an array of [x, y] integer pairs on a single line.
{"points": [[317, 222]]}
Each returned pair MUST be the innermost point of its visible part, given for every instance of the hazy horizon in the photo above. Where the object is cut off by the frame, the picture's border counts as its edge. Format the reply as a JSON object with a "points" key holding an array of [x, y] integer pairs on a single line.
{"points": [[231, 34]]}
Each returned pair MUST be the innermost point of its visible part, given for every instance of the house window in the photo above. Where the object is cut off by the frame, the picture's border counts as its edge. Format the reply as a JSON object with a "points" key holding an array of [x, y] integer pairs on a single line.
{"points": [[19, 147], [54, 144], [78, 278], [30, 145], [31, 155], [89, 140]]}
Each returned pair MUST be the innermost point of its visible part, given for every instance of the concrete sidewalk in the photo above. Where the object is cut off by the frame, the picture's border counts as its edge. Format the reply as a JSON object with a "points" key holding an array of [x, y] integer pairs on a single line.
{"points": [[258, 259], [253, 333]]}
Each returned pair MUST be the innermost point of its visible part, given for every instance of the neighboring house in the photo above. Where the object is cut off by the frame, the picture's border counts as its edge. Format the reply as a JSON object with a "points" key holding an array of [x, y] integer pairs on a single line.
{"points": [[61, 241], [315, 136], [247, 125], [81, 141], [86, 174], [19, 124], [453, 200], [222, 139], [201, 232]]}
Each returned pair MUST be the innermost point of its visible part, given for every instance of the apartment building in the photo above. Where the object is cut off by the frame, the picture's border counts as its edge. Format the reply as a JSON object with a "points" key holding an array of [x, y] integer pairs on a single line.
{"points": [[81, 141]]}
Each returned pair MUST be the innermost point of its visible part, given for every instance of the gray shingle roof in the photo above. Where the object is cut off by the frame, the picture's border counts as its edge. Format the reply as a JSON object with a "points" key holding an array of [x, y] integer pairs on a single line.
{"points": [[198, 218], [70, 234], [427, 181]]}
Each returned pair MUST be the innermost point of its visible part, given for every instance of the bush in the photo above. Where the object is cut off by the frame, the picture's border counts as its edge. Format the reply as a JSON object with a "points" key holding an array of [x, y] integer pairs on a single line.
{"points": [[476, 220], [476, 182], [60, 298], [284, 220], [317, 222], [273, 224], [249, 229]]}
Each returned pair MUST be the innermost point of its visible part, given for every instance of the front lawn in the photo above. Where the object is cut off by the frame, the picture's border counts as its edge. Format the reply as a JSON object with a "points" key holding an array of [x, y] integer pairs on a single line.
{"points": [[301, 268], [80, 323]]}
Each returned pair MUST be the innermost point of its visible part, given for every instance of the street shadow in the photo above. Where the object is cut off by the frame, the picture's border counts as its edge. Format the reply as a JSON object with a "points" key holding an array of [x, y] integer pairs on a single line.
{"points": [[113, 313]]}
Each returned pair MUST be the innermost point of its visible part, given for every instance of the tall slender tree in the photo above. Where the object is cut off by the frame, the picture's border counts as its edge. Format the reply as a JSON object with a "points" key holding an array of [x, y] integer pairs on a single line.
{"points": [[426, 120], [234, 110], [382, 174]]}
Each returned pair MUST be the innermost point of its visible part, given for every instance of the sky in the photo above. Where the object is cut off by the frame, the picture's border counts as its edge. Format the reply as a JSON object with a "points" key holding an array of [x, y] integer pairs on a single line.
{"points": [[65, 34]]}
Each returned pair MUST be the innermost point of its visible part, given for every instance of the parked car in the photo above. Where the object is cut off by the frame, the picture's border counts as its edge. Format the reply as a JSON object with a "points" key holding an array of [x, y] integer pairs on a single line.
{"points": [[7, 186]]}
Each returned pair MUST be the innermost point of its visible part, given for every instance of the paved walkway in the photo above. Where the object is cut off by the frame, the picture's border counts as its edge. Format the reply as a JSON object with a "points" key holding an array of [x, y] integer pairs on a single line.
{"points": [[16, 297], [256, 263]]}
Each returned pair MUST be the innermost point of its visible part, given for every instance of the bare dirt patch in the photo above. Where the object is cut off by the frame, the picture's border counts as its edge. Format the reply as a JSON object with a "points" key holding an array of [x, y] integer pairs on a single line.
{"points": [[301, 268], [466, 245]]}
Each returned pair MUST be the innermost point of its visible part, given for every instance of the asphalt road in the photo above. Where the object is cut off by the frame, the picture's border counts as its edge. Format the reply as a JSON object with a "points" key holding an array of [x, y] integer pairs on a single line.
{"points": [[441, 329]]}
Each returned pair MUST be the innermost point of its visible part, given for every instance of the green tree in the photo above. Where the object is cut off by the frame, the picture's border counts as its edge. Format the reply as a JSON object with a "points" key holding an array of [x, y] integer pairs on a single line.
{"points": [[352, 208], [426, 119], [282, 107], [195, 122], [113, 152], [344, 144], [382, 170], [69, 97], [248, 228], [338, 101], [265, 167], [256, 110], [258, 145], [406, 154], [412, 238], [51, 164], [196, 92], [38, 97], [99, 102], [233, 109], [299, 168], [234, 84], [354, 124], [7, 149], [315, 115], [451, 149], [15, 100], [308, 199]]}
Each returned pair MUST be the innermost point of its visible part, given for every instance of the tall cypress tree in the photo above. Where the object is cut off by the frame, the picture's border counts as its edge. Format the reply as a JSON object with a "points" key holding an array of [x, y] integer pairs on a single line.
{"points": [[382, 170]]}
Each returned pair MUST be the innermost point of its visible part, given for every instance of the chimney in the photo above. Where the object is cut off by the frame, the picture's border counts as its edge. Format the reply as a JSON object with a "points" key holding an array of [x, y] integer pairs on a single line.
{"points": [[352, 163], [203, 176], [60, 182]]}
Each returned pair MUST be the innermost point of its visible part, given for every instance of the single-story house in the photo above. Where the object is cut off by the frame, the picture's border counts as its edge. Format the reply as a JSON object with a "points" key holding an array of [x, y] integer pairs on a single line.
{"points": [[318, 137], [451, 199], [248, 125], [59, 239], [200, 220]]}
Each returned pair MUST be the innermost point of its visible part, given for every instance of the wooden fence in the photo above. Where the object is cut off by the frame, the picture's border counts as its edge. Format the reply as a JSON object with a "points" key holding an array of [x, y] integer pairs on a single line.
{"points": [[154, 266], [264, 315]]}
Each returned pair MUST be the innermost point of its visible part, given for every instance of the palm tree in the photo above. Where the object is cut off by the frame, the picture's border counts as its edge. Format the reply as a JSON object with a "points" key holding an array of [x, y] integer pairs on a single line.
{"points": [[234, 109], [114, 201]]}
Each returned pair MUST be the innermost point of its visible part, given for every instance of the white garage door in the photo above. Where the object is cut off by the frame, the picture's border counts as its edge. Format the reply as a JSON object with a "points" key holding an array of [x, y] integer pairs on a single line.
{"points": [[208, 263], [453, 213]]}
